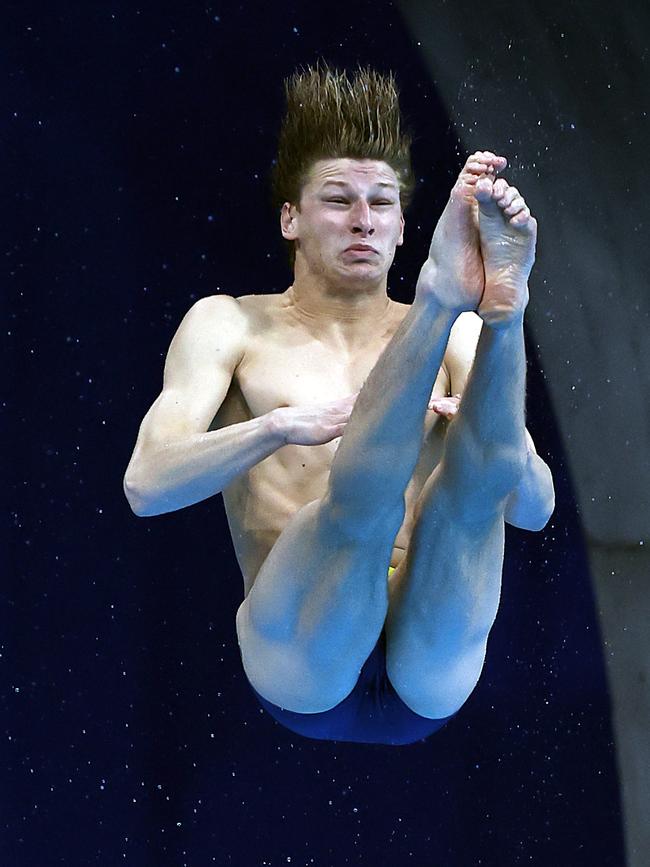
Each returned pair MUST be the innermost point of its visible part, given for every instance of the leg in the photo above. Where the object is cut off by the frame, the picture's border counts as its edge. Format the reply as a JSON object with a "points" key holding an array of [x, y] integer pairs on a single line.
{"points": [[319, 602], [445, 594], [320, 599]]}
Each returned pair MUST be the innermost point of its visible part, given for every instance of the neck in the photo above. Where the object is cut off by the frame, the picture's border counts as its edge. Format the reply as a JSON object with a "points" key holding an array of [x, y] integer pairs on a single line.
{"points": [[342, 309], [314, 297]]}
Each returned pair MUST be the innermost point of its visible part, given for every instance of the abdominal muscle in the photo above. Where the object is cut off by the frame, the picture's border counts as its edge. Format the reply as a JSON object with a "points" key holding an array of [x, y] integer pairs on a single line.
{"points": [[261, 502], [276, 371]]}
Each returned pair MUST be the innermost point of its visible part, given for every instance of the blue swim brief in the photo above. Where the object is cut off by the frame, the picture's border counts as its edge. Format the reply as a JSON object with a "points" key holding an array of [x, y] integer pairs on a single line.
{"points": [[373, 713]]}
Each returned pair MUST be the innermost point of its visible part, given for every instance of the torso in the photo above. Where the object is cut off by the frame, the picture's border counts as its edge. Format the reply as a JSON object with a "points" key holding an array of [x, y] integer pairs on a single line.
{"points": [[286, 363]]}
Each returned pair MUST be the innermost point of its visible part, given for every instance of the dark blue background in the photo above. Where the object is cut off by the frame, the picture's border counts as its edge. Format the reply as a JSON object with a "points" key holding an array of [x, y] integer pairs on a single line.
{"points": [[138, 142]]}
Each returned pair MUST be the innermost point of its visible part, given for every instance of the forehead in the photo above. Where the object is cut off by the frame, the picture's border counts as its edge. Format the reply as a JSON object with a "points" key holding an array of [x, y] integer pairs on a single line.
{"points": [[353, 172]]}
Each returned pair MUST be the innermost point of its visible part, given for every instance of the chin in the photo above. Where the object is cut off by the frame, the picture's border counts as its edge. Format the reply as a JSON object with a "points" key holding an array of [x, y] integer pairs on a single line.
{"points": [[361, 266], [369, 273]]}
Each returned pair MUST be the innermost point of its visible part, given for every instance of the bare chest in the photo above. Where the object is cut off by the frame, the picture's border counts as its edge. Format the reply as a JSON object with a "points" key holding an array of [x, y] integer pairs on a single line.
{"points": [[287, 366], [281, 371]]}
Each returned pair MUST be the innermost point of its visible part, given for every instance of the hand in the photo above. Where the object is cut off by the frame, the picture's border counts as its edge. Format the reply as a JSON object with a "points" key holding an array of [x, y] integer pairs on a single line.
{"points": [[447, 406], [314, 424]]}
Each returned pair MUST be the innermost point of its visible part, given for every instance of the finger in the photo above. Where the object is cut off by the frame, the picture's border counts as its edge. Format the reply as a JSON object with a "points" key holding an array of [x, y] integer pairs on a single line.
{"points": [[445, 406], [344, 401]]}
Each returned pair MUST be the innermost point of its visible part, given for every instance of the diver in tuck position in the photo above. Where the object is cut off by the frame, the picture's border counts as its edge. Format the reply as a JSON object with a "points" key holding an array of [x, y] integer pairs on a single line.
{"points": [[368, 451]]}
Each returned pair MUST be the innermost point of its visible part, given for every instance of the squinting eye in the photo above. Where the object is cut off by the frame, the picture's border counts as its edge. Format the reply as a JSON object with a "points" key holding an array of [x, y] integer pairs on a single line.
{"points": [[345, 202]]}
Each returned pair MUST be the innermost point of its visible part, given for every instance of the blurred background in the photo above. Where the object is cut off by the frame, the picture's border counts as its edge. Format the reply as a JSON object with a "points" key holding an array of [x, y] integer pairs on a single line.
{"points": [[137, 144]]}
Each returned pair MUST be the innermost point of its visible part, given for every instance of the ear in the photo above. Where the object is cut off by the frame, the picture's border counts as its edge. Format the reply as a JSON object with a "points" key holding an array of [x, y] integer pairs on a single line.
{"points": [[289, 221]]}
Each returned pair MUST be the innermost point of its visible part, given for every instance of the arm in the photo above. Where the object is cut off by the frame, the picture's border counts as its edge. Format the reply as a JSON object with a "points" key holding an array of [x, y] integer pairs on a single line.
{"points": [[531, 504], [177, 461]]}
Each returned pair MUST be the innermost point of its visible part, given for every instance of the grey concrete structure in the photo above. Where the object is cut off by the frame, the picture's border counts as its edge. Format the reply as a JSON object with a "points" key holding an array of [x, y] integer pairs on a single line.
{"points": [[566, 100]]}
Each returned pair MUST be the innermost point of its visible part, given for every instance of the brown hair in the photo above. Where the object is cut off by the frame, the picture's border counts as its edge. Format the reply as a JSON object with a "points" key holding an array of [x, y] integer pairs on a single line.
{"points": [[330, 116]]}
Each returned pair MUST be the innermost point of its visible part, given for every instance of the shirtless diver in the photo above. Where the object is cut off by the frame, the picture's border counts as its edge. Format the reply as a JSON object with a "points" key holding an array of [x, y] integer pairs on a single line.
{"points": [[368, 451]]}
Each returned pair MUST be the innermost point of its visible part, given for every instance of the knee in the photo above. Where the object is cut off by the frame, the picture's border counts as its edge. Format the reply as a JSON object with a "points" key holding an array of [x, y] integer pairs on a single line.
{"points": [[284, 676], [446, 687]]}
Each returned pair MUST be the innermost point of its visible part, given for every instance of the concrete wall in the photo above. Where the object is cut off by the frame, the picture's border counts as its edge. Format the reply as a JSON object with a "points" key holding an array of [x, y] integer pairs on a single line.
{"points": [[565, 100]]}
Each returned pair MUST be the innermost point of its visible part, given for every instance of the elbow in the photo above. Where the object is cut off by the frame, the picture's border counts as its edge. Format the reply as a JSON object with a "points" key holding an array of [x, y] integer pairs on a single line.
{"points": [[548, 507], [531, 520], [140, 507], [543, 509], [537, 522], [531, 509], [545, 512]]}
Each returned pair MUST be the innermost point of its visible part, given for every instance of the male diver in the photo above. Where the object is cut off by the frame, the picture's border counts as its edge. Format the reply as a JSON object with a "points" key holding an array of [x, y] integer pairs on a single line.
{"points": [[369, 452]]}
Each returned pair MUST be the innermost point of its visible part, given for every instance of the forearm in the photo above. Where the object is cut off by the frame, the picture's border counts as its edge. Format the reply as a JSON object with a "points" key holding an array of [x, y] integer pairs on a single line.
{"points": [[188, 470], [531, 504]]}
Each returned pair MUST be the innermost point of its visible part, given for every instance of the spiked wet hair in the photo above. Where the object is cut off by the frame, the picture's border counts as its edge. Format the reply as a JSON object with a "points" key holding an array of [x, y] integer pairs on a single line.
{"points": [[328, 116]]}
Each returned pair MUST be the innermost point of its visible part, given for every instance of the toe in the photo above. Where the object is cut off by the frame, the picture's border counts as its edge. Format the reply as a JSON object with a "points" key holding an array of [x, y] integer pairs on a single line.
{"points": [[484, 162], [511, 194], [495, 160], [521, 218], [483, 190], [516, 205]]}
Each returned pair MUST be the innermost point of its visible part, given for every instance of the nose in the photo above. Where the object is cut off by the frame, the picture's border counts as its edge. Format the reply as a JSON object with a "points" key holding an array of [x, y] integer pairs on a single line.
{"points": [[361, 216]]}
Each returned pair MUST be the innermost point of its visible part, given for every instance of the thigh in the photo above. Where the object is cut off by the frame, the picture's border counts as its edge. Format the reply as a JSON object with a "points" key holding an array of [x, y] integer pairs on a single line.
{"points": [[314, 562], [315, 611], [443, 601], [455, 552], [372, 713]]}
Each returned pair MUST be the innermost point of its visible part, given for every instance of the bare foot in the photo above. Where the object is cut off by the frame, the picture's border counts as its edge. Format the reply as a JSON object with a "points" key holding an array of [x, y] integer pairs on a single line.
{"points": [[453, 272], [507, 235]]}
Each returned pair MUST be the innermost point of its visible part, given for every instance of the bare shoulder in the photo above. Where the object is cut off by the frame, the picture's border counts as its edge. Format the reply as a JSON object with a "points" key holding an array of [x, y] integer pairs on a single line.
{"points": [[225, 309], [260, 310], [461, 349], [236, 319], [465, 333], [213, 324]]}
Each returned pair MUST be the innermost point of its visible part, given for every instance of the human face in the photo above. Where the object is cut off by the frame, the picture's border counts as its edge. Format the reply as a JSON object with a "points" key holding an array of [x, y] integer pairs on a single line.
{"points": [[346, 202]]}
